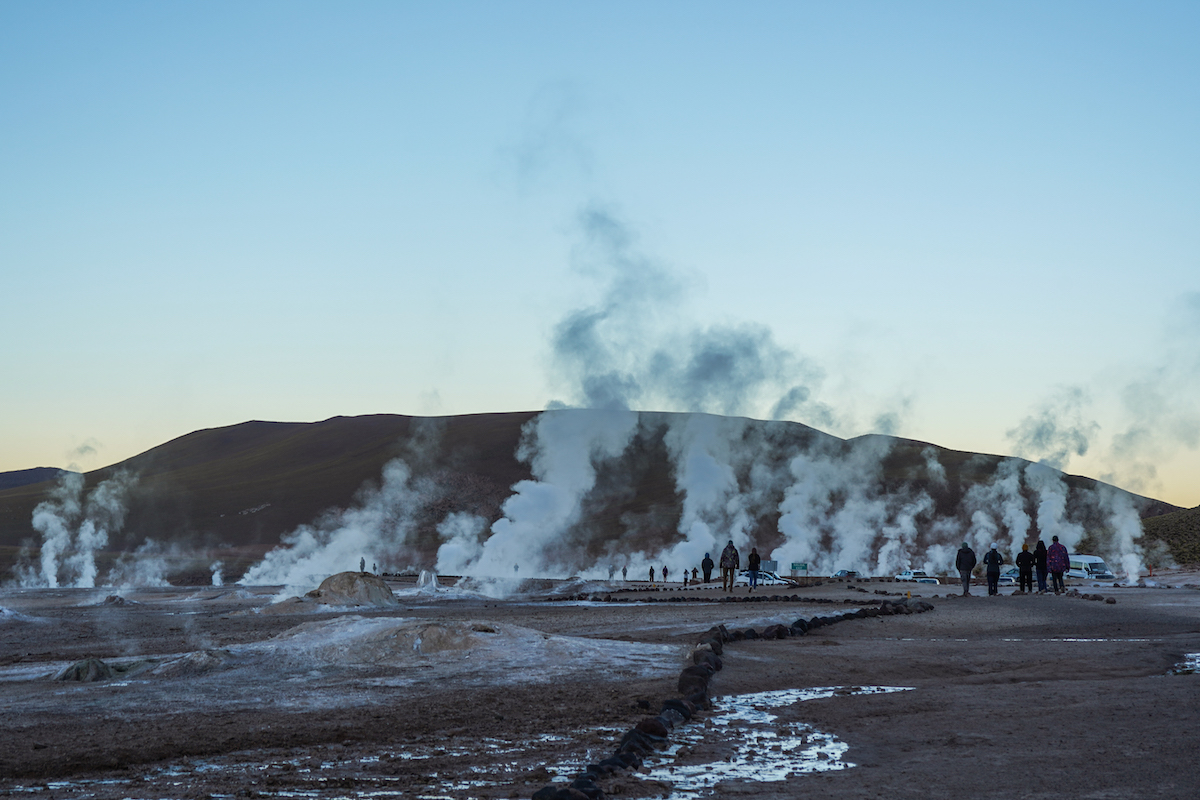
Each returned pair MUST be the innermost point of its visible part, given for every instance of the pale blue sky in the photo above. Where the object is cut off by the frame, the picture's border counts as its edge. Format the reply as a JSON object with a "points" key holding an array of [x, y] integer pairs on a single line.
{"points": [[214, 212]]}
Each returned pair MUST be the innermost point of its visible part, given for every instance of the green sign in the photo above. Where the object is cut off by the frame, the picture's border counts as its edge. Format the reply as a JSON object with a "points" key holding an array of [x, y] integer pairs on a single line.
{"points": [[797, 565]]}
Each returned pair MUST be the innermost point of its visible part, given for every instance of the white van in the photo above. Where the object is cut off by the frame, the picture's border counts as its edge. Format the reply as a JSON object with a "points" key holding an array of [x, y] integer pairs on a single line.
{"points": [[1090, 568]]}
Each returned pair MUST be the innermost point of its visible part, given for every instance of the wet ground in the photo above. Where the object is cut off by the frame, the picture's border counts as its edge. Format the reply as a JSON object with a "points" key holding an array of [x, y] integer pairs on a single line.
{"points": [[215, 692]]}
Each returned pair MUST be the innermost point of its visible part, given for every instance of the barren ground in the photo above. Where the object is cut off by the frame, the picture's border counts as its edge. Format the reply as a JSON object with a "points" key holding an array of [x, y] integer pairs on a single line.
{"points": [[454, 695]]}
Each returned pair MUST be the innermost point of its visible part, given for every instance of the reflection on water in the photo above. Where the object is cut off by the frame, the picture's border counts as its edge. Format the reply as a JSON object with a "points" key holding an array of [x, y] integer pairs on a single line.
{"points": [[764, 750]]}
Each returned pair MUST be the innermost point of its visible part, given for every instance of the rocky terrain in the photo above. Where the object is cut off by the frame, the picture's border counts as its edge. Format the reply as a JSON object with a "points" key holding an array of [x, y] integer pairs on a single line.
{"points": [[178, 692]]}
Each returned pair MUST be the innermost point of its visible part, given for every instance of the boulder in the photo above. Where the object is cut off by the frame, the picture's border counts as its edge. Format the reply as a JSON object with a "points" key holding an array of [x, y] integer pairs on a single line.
{"points": [[355, 588], [775, 632]]}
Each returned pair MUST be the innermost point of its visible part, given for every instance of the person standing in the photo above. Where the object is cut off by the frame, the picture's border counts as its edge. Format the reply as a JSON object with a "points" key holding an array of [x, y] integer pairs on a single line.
{"points": [[992, 560], [1025, 569], [707, 566], [729, 565], [1039, 564], [625, 572], [695, 576], [965, 563], [664, 573], [652, 576], [1058, 561], [753, 563]]}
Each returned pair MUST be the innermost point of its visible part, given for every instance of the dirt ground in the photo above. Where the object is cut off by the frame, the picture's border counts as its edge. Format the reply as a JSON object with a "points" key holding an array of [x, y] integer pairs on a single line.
{"points": [[454, 694]]}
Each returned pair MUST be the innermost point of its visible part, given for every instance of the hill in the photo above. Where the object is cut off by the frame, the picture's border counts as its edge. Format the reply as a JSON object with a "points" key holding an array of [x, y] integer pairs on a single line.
{"points": [[1180, 531], [232, 493], [24, 477]]}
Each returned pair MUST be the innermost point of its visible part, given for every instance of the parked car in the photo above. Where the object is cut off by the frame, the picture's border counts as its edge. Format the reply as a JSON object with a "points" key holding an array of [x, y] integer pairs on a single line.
{"points": [[1090, 568], [844, 573], [764, 579], [1009, 576], [916, 576]]}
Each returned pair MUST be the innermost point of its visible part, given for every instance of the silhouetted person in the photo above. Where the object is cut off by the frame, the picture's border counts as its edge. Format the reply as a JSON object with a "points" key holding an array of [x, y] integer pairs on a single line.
{"points": [[753, 563], [652, 576], [625, 572], [664, 573], [1039, 564], [965, 562], [362, 565], [707, 566], [1025, 569], [1058, 561], [992, 560], [695, 575], [729, 564]]}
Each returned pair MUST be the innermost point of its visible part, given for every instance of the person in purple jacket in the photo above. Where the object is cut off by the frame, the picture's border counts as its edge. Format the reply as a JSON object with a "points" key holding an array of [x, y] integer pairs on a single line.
{"points": [[1058, 561]]}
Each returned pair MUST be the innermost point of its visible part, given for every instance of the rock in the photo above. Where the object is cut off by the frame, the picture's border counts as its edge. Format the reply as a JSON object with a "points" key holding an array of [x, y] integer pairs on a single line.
{"points": [[672, 717], [707, 657], [1112, 601], [114, 600], [588, 787], [355, 588], [713, 643], [88, 670], [686, 709], [801, 624], [694, 679], [750, 633], [775, 632], [653, 726]]}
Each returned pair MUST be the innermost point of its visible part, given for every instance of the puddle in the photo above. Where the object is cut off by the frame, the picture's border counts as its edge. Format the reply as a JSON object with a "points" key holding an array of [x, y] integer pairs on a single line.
{"points": [[1189, 666], [764, 751]]}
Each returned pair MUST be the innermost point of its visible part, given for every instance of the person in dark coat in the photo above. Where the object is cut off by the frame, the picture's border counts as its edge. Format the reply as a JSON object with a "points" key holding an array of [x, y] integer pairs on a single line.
{"points": [[992, 560], [965, 563], [664, 573], [752, 564], [1025, 569], [707, 566], [729, 564], [1058, 561], [1039, 565], [652, 576]]}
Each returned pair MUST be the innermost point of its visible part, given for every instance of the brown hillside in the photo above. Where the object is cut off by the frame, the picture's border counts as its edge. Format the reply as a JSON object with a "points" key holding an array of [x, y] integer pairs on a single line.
{"points": [[233, 492], [1181, 532]]}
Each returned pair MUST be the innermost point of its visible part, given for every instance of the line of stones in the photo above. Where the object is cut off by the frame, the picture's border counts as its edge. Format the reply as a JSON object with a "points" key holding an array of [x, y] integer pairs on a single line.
{"points": [[652, 734], [597, 597]]}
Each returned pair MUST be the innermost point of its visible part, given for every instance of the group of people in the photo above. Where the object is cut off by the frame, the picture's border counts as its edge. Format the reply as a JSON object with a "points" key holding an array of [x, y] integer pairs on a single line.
{"points": [[1053, 560], [729, 565]]}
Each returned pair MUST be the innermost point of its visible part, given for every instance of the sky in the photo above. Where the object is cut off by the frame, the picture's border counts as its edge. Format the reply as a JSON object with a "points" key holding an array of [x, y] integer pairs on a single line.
{"points": [[969, 224]]}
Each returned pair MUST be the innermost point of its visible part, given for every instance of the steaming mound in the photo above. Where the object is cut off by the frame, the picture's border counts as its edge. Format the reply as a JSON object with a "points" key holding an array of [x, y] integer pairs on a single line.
{"points": [[354, 588], [193, 664], [517, 653], [87, 671]]}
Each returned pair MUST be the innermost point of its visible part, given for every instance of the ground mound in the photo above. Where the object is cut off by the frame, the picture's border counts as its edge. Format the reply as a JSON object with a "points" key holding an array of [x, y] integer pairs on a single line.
{"points": [[354, 588]]}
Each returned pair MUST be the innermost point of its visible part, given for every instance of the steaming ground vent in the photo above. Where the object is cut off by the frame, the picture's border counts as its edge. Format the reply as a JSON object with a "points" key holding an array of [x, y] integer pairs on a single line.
{"points": [[516, 653]]}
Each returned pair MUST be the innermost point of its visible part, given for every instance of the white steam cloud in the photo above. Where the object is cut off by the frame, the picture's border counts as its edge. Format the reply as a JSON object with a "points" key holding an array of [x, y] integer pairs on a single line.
{"points": [[74, 529]]}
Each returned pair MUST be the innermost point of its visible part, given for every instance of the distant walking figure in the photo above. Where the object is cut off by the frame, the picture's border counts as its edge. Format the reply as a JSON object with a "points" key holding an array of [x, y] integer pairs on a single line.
{"points": [[707, 566], [1058, 560], [753, 563], [729, 564], [993, 560], [1025, 567], [652, 575], [362, 565], [664, 573], [1039, 563], [965, 563], [625, 572]]}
